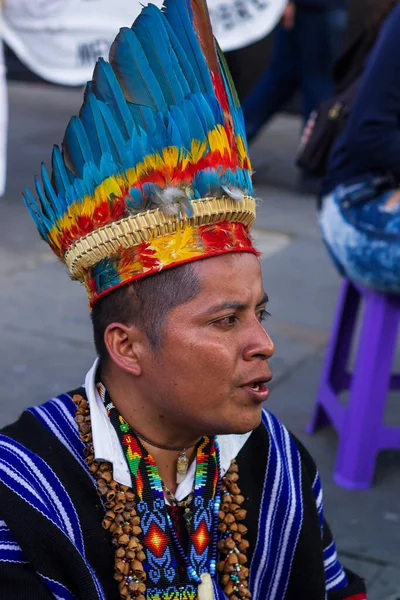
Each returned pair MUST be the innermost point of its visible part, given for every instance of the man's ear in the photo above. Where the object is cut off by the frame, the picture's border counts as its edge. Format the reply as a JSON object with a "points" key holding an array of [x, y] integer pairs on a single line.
{"points": [[126, 345]]}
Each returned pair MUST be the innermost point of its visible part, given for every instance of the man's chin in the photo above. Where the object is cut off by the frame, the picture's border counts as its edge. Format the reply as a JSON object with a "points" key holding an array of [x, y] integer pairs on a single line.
{"points": [[242, 426]]}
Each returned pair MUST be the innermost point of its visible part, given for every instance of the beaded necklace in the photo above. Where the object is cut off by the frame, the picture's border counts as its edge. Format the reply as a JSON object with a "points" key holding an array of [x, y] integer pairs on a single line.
{"points": [[131, 521]]}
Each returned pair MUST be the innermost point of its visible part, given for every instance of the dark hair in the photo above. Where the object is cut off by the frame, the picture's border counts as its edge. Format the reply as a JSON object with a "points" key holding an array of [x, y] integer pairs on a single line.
{"points": [[144, 303], [384, 9]]}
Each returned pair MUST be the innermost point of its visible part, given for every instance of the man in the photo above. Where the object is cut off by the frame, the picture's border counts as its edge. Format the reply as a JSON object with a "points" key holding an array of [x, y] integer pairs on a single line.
{"points": [[162, 478], [306, 44]]}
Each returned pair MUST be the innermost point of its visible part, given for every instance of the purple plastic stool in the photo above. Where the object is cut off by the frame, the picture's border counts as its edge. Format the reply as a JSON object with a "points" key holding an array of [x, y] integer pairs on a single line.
{"points": [[359, 425]]}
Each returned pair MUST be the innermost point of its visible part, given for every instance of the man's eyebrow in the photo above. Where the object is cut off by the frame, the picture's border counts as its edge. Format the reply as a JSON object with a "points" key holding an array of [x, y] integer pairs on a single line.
{"points": [[234, 306]]}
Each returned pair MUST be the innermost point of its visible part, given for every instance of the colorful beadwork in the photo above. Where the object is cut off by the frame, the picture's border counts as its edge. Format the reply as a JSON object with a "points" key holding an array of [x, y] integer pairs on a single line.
{"points": [[158, 534]]}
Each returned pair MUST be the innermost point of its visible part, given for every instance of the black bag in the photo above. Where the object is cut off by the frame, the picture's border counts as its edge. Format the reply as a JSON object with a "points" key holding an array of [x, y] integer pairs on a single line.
{"points": [[322, 129]]}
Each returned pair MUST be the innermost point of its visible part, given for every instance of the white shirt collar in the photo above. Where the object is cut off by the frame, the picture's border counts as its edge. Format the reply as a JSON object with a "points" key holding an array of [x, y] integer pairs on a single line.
{"points": [[107, 447]]}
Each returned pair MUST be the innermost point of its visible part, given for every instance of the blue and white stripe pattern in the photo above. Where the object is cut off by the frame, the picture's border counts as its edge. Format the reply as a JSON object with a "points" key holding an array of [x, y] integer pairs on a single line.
{"points": [[281, 515], [335, 575], [59, 591], [10, 552], [57, 415], [30, 477]]}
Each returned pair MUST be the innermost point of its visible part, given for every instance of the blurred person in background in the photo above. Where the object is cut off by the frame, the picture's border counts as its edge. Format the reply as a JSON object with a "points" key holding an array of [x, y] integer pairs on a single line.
{"points": [[307, 42], [360, 206]]}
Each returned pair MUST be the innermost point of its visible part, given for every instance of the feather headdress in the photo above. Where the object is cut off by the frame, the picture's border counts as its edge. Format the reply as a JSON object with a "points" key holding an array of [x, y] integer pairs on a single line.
{"points": [[154, 171]]}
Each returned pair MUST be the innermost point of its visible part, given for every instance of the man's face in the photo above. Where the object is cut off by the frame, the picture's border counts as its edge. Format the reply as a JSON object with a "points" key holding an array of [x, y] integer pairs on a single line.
{"points": [[205, 376]]}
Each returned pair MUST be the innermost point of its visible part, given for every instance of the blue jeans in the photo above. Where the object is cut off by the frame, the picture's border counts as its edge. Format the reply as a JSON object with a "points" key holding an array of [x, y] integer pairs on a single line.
{"points": [[364, 239], [302, 59]]}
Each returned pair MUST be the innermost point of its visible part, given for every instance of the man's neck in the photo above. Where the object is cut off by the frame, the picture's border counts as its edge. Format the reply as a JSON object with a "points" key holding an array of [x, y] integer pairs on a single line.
{"points": [[141, 418]]}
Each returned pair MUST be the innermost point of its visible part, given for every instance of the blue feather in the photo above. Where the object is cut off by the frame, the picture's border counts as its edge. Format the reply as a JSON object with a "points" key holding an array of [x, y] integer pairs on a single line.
{"points": [[93, 123], [107, 89], [134, 72], [136, 199], [151, 33], [178, 16], [191, 117], [60, 174], [107, 166], [143, 117], [58, 205], [115, 138], [47, 208], [206, 182], [177, 116], [41, 221], [76, 147], [172, 40], [156, 49], [203, 111]]}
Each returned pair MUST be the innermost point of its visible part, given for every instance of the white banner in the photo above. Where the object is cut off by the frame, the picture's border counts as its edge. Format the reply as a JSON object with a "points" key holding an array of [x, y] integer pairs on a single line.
{"points": [[60, 40]]}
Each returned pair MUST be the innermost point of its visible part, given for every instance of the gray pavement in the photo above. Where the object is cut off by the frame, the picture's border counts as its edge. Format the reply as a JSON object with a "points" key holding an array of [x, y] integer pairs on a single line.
{"points": [[46, 336]]}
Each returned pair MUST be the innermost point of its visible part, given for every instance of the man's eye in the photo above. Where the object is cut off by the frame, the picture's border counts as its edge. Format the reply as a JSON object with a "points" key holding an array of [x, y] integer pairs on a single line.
{"points": [[263, 315], [226, 321]]}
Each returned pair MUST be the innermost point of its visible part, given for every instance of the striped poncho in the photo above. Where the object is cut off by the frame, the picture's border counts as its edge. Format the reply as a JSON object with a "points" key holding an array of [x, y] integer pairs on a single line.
{"points": [[52, 544]]}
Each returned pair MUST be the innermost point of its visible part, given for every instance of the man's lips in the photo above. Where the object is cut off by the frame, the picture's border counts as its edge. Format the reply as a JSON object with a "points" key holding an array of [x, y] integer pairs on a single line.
{"points": [[257, 388]]}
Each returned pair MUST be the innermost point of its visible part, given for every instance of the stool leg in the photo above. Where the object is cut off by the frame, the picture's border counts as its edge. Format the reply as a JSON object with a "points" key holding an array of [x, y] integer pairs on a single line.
{"points": [[337, 353], [371, 381]]}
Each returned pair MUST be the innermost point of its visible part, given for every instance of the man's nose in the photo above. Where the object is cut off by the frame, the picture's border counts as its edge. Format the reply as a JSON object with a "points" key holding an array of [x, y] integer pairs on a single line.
{"points": [[260, 345]]}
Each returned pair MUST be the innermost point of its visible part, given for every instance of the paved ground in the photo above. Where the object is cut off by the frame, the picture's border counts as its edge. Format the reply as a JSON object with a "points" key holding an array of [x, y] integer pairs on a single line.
{"points": [[45, 330]]}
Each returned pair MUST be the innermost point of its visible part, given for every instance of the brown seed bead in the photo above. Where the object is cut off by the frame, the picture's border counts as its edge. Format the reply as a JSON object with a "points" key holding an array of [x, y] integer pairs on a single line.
{"points": [[136, 530], [120, 552], [221, 514], [122, 567], [242, 528], [233, 527], [229, 518], [123, 539], [233, 559], [126, 514], [129, 505], [114, 541], [225, 507], [224, 579], [139, 547], [119, 519], [110, 504], [142, 588], [118, 576], [137, 566], [141, 556], [133, 543], [123, 590], [240, 514], [127, 529], [130, 496], [87, 437], [234, 597], [140, 597], [120, 497], [228, 589], [93, 468], [134, 521], [234, 507], [110, 495], [244, 544], [130, 554], [234, 467], [230, 544], [238, 499], [229, 568], [237, 537], [220, 566], [227, 498], [105, 466], [133, 586], [235, 489], [118, 508], [222, 527], [114, 486], [106, 523], [221, 545], [245, 571], [242, 558]]}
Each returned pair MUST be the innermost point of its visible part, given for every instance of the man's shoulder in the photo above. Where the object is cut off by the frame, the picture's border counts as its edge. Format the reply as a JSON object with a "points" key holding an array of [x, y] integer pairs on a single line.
{"points": [[42, 432]]}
